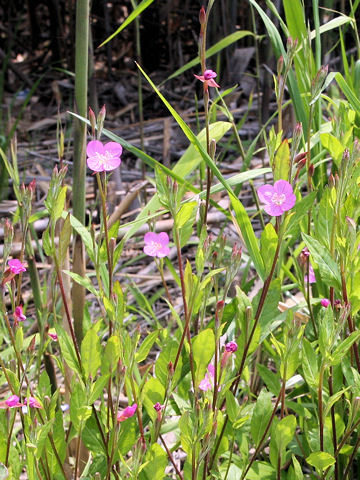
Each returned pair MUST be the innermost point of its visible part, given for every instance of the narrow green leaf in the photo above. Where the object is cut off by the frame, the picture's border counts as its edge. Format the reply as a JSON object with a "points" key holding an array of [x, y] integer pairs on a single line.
{"points": [[84, 281], [203, 347], [67, 349], [134, 14], [64, 240], [225, 42], [310, 364], [146, 345], [261, 416], [329, 269]]}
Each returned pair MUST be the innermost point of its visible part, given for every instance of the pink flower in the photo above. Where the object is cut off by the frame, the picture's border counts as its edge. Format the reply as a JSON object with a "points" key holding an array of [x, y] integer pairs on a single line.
{"points": [[53, 336], [15, 266], [18, 315], [208, 78], [32, 402], [103, 158], [156, 244], [126, 413], [325, 302], [11, 402], [312, 278], [207, 382], [158, 407], [278, 198], [231, 347]]}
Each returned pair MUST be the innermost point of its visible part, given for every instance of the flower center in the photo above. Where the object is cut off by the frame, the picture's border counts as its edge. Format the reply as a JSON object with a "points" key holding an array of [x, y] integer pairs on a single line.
{"points": [[103, 157], [278, 199], [156, 245]]}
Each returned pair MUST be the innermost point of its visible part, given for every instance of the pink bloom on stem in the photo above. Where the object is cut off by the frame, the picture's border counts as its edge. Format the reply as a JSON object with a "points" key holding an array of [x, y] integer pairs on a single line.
{"points": [[278, 198], [312, 278], [103, 158], [156, 244], [305, 252], [208, 78], [11, 402], [126, 413], [32, 402], [158, 407], [207, 382], [18, 315], [53, 336], [325, 302], [231, 347], [15, 266]]}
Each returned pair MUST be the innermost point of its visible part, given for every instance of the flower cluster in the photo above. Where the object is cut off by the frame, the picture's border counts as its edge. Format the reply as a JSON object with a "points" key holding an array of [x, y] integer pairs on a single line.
{"points": [[14, 401]]}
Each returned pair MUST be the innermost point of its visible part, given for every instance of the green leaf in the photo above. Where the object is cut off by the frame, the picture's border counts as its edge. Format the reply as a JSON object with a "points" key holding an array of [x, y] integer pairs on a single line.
{"points": [[270, 378], [58, 208], [111, 355], [268, 242], [156, 462], [185, 213], [344, 346], [91, 353], [81, 230], [79, 410], [67, 349], [329, 270], [134, 14], [64, 241], [284, 432], [232, 407], [92, 437], [246, 232], [225, 42], [261, 470], [146, 345], [310, 364], [203, 346], [261, 416], [348, 92], [84, 281], [333, 146], [97, 388], [282, 162], [320, 460], [152, 393]]}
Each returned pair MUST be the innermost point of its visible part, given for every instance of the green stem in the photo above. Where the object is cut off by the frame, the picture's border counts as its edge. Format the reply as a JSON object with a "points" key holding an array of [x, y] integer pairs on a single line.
{"points": [[79, 170], [320, 400]]}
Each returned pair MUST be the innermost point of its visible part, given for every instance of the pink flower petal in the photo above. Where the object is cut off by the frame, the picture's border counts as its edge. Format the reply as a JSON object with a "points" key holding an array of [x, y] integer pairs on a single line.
{"points": [[115, 149], [150, 237], [212, 83], [288, 203], [211, 369], [163, 252], [208, 74], [205, 385], [265, 193], [94, 164], [94, 147], [163, 238], [111, 164], [273, 210], [150, 250], [200, 77], [282, 186]]}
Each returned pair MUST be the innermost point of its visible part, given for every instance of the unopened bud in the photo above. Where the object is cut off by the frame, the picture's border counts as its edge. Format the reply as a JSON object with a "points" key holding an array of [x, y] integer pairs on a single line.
{"points": [[331, 181], [280, 65], [212, 148], [171, 368], [300, 157], [202, 16], [351, 222], [311, 170], [92, 119], [32, 343], [100, 121], [32, 186], [220, 305], [346, 154]]}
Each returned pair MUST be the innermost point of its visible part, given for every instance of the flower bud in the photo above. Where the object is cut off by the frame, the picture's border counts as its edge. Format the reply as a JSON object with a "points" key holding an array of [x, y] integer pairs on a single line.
{"points": [[212, 148], [100, 121], [280, 65], [311, 170], [325, 302], [92, 119], [202, 16]]}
